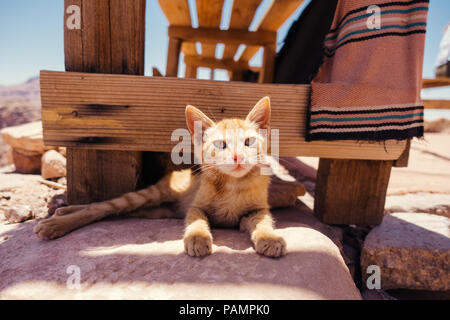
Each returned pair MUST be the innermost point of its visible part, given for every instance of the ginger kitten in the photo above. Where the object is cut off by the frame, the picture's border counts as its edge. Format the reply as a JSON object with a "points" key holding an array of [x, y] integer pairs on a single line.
{"points": [[230, 190]]}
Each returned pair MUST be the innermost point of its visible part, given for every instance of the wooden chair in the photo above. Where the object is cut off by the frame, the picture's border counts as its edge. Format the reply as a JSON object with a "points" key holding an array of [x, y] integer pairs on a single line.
{"points": [[435, 83], [108, 120]]}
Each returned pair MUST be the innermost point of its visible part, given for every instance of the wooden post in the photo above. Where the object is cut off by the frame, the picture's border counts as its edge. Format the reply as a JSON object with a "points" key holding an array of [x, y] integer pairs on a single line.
{"points": [[268, 66], [351, 191], [402, 162], [191, 71], [173, 54], [156, 72], [110, 39], [236, 75]]}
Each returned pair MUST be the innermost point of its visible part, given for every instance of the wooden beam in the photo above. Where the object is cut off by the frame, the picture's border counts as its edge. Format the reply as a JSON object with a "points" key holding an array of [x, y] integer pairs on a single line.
{"points": [[242, 15], [351, 191], [402, 161], [236, 75], [437, 82], [213, 63], [140, 113], [156, 72], [213, 35], [436, 104], [268, 67], [111, 40], [209, 14], [191, 71], [173, 54], [278, 12], [177, 13]]}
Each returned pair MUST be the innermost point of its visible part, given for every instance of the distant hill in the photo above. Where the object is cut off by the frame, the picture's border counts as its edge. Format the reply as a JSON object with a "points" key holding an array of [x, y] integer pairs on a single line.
{"points": [[18, 104], [28, 90]]}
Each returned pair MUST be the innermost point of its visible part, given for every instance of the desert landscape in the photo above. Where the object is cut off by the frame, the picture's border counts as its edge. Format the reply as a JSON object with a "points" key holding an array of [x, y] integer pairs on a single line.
{"points": [[417, 220]]}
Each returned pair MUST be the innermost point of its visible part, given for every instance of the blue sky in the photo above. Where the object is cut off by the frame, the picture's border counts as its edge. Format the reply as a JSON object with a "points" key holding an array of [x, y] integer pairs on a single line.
{"points": [[31, 37]]}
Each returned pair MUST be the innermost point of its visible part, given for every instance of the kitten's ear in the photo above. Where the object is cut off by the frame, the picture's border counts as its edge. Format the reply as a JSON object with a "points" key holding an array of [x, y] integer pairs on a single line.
{"points": [[192, 115], [260, 113]]}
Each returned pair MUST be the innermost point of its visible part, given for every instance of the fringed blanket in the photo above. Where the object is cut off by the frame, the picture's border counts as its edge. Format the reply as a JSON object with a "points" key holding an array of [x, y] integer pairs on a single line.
{"points": [[368, 87]]}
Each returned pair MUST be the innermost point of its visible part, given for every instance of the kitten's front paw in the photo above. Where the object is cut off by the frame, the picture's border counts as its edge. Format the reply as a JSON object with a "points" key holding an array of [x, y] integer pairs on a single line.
{"points": [[271, 246], [198, 244]]}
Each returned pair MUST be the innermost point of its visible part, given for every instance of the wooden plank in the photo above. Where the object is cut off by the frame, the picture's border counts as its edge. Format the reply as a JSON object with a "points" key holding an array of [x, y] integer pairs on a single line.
{"points": [[177, 13], [402, 161], [213, 63], [140, 113], [213, 35], [242, 15], [191, 71], [436, 104], [111, 39], [278, 12], [209, 14], [127, 20], [437, 82], [268, 67], [236, 75], [173, 54], [351, 191], [156, 72]]}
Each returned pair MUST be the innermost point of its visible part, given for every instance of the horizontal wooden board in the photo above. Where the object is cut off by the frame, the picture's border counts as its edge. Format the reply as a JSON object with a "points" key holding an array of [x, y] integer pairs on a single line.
{"points": [[209, 13], [275, 16], [121, 112], [436, 104], [242, 15], [177, 12], [436, 82], [213, 63], [214, 35]]}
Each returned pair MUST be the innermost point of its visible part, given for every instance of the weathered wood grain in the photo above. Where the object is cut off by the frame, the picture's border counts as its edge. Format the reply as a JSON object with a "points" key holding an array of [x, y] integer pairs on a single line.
{"points": [[140, 113], [191, 71], [242, 15], [213, 63], [177, 12], [278, 12], [436, 104], [436, 82], [214, 35], [268, 67], [209, 14], [111, 40], [351, 191], [173, 54]]}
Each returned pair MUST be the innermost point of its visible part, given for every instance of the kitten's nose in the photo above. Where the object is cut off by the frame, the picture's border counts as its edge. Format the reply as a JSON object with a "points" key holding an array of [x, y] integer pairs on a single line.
{"points": [[238, 159]]}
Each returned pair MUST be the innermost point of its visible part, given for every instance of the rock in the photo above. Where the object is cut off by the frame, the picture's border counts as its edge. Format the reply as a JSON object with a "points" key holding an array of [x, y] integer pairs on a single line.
{"points": [[53, 165], [56, 202], [63, 151], [284, 193], [145, 259], [9, 155], [27, 161], [17, 214], [25, 137], [376, 295], [412, 251]]}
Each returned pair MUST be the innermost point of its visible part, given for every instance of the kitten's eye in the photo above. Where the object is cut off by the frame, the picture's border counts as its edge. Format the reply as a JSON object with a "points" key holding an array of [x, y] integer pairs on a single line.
{"points": [[250, 141], [220, 144]]}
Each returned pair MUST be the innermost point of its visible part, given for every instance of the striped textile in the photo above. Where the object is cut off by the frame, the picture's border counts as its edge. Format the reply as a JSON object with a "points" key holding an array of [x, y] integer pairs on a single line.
{"points": [[368, 86]]}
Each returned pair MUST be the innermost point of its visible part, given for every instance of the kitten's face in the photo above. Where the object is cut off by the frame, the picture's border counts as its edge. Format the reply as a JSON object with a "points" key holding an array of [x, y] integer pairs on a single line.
{"points": [[232, 146]]}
